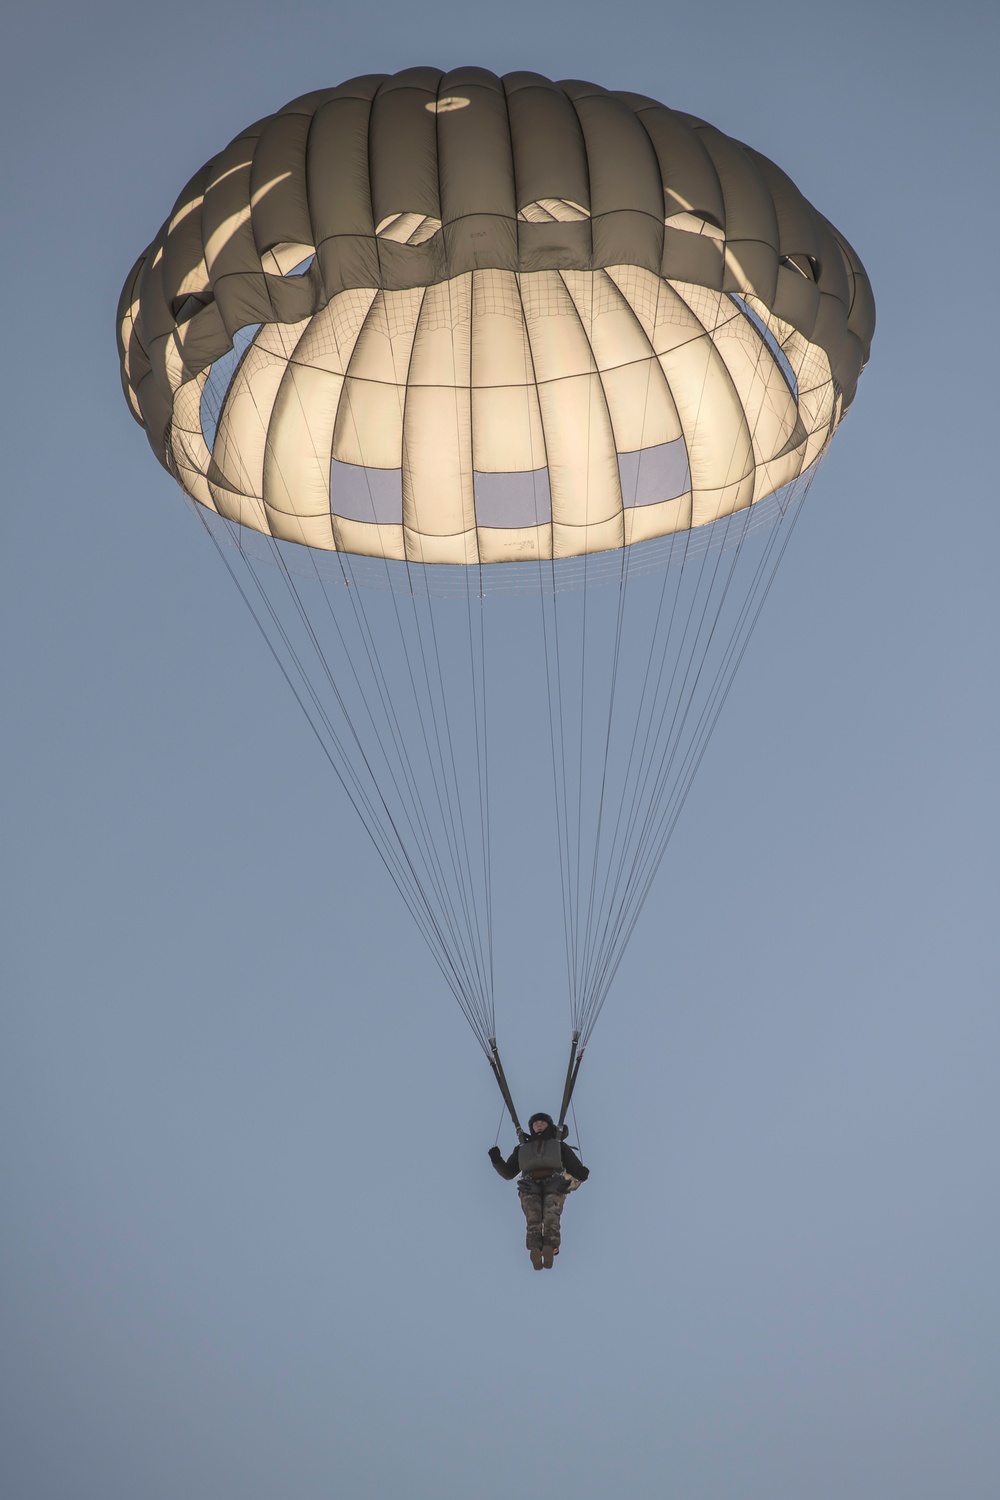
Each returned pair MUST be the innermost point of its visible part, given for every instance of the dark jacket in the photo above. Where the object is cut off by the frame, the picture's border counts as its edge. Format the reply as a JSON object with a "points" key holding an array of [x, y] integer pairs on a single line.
{"points": [[511, 1168]]}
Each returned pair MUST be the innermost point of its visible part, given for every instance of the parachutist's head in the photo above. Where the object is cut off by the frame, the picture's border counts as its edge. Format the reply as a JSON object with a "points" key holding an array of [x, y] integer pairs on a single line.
{"points": [[540, 1123]]}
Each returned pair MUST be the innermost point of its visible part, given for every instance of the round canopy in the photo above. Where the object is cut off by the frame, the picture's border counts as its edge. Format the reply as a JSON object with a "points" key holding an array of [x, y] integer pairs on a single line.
{"points": [[455, 318]]}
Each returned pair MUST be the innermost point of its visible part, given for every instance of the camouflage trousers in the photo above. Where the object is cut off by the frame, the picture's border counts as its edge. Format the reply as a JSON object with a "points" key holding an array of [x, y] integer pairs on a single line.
{"points": [[542, 1200]]}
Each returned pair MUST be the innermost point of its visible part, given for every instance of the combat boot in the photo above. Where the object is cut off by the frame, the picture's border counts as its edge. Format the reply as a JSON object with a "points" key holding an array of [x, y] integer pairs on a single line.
{"points": [[536, 1257], [549, 1252]]}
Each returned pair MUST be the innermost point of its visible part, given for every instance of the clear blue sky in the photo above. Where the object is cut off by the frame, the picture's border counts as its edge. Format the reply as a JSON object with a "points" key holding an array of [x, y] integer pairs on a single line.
{"points": [[252, 1244]]}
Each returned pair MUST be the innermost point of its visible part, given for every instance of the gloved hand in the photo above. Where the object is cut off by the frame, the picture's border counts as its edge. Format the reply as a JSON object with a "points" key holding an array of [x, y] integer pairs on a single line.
{"points": [[496, 1156]]}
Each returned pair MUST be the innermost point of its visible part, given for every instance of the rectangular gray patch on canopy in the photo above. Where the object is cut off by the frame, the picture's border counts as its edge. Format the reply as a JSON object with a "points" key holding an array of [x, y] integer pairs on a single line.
{"points": [[509, 501], [653, 474], [362, 494]]}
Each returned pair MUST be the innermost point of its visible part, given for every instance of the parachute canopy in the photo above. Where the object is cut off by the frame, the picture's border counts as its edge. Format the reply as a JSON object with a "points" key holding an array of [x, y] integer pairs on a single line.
{"points": [[455, 318], [450, 336]]}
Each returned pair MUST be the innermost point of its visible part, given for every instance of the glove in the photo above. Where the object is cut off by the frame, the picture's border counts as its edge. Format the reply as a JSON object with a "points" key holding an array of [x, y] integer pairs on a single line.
{"points": [[496, 1156]]}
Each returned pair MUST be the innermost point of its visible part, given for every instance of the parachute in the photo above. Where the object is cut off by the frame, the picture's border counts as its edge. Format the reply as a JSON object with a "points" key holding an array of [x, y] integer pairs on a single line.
{"points": [[499, 398]]}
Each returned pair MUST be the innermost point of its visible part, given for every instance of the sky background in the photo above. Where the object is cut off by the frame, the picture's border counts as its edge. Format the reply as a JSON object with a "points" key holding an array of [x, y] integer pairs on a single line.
{"points": [[252, 1243]]}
